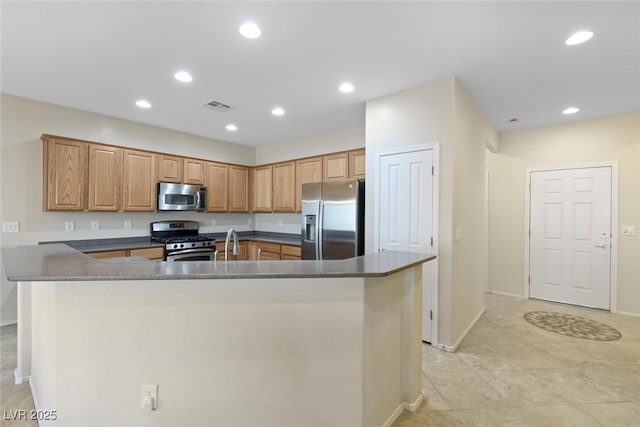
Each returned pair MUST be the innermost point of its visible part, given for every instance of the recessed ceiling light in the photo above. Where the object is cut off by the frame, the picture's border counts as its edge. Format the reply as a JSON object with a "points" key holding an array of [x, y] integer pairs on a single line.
{"points": [[231, 127], [277, 111], [346, 87], [183, 76], [579, 37], [570, 110], [250, 30], [143, 103]]}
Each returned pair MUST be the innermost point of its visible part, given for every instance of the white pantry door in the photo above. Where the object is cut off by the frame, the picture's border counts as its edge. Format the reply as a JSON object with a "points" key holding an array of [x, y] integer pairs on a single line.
{"points": [[406, 214], [570, 243]]}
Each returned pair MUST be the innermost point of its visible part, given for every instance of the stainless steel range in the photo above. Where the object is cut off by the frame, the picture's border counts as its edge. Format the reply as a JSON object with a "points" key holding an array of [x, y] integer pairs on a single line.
{"points": [[182, 241]]}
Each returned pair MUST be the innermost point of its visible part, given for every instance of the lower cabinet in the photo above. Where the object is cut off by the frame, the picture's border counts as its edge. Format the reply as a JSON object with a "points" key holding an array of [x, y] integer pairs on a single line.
{"points": [[242, 256], [153, 254]]}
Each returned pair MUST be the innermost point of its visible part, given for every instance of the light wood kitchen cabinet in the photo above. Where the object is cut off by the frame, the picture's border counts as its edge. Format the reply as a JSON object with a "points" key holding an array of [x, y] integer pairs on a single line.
{"points": [[268, 251], [335, 166], [307, 170], [170, 168], [262, 188], [194, 171], [284, 187], [109, 254], [153, 254], [139, 181], [217, 184], [242, 256], [357, 164], [65, 169], [238, 188], [105, 178], [252, 250], [290, 252]]}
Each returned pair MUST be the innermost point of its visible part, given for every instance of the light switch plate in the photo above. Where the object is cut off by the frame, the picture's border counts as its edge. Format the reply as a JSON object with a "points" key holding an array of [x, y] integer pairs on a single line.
{"points": [[127, 224], [458, 233], [69, 226], [95, 225], [628, 230]]}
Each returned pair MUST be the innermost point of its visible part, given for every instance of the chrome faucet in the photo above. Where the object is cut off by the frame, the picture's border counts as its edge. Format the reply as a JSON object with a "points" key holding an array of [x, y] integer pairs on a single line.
{"points": [[236, 247]]}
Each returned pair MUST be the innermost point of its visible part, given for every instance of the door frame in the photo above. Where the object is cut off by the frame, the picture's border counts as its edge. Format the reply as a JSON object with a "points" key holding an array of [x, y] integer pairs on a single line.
{"points": [[435, 147], [613, 277]]}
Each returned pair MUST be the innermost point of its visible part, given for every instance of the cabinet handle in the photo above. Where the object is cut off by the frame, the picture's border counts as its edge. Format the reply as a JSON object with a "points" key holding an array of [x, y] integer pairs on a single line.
{"points": [[259, 252]]}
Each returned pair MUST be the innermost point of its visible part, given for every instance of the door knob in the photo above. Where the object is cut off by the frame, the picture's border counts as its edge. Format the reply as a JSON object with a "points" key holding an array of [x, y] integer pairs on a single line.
{"points": [[602, 246]]}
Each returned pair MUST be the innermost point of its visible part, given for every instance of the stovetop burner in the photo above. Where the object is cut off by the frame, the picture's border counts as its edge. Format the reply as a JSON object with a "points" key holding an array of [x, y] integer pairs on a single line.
{"points": [[177, 235]]}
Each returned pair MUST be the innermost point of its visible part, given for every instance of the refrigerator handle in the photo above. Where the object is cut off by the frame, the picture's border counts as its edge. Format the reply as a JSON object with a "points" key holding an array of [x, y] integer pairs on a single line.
{"points": [[319, 230]]}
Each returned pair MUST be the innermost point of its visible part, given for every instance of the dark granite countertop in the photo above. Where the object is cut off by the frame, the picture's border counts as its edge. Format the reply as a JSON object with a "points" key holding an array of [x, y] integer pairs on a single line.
{"points": [[59, 262], [124, 243]]}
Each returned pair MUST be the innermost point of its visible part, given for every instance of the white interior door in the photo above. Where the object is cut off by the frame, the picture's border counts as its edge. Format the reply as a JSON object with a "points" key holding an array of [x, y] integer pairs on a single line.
{"points": [[406, 214], [570, 243]]}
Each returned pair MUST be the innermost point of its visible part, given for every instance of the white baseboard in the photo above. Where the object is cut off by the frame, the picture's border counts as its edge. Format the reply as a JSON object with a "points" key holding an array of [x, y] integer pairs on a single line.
{"points": [[454, 347], [8, 322], [628, 313], [410, 406], [507, 294]]}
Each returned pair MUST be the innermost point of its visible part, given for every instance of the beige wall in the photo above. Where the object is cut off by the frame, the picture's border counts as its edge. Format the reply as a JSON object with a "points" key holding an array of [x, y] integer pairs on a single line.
{"points": [[348, 138], [442, 112], [610, 139]]}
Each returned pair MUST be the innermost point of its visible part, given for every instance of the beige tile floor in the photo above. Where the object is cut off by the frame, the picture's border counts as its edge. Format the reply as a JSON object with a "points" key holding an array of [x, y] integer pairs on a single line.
{"points": [[509, 373], [505, 373]]}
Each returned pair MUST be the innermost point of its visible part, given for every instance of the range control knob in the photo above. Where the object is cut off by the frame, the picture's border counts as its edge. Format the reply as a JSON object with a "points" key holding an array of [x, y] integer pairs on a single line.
{"points": [[193, 245], [175, 246]]}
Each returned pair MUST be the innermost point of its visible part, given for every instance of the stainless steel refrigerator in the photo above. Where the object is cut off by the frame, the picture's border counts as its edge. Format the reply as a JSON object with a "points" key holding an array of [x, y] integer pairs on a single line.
{"points": [[333, 219]]}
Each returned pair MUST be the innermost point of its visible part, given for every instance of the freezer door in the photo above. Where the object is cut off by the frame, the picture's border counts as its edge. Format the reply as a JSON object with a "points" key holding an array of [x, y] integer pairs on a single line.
{"points": [[340, 224], [310, 246]]}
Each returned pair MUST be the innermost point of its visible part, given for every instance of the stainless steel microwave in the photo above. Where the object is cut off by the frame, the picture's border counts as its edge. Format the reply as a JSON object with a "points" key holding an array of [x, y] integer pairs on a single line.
{"points": [[181, 197]]}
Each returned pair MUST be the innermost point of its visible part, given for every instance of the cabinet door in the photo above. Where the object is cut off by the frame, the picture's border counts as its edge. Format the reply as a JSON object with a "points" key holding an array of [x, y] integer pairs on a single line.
{"points": [[217, 187], [242, 256], [65, 174], [169, 168], [307, 170], [105, 178], [357, 164], [154, 254], [139, 181], [335, 166], [194, 171], [238, 188], [252, 250], [284, 187], [109, 254], [262, 186]]}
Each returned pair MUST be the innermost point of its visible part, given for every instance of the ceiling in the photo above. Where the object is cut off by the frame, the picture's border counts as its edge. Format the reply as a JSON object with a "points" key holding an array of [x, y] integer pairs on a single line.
{"points": [[511, 57]]}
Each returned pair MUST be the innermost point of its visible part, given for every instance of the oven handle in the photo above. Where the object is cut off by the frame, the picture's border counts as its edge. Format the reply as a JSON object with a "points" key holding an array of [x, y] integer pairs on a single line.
{"points": [[192, 251]]}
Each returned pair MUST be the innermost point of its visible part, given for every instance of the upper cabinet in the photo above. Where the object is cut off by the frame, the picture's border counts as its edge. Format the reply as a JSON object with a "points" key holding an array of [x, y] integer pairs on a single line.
{"points": [[105, 178], [139, 181], [194, 171], [239, 194], [335, 166], [169, 168], [217, 184], [65, 166], [307, 170], [357, 164], [284, 187], [262, 188]]}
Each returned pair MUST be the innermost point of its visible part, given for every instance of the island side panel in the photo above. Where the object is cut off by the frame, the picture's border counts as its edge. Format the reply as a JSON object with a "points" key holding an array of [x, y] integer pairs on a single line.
{"points": [[269, 352], [393, 345], [23, 356]]}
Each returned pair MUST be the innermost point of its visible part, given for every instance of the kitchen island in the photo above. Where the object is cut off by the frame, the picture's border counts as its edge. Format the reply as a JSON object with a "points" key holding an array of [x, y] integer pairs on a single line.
{"points": [[290, 343]]}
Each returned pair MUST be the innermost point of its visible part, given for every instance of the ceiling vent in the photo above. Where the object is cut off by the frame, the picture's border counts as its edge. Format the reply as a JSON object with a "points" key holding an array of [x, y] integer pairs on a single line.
{"points": [[218, 106]]}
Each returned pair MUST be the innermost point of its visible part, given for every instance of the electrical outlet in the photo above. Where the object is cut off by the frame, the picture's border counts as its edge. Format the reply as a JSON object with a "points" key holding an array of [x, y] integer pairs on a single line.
{"points": [[279, 223], [127, 224], [69, 226], [249, 221], [95, 225], [149, 390], [10, 227], [213, 222], [458, 233]]}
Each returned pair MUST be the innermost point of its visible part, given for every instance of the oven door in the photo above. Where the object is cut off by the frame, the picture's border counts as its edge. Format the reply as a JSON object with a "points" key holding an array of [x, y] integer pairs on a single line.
{"points": [[204, 254]]}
